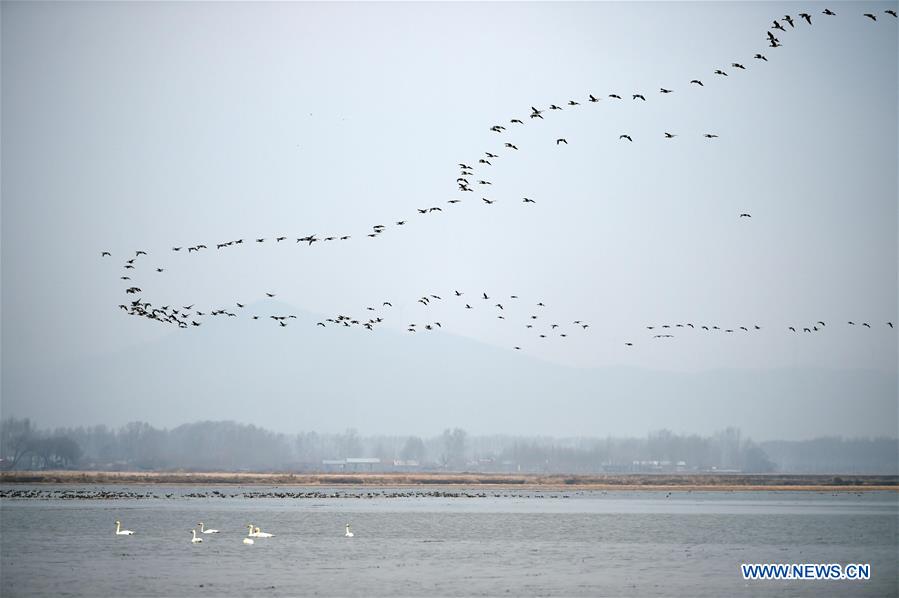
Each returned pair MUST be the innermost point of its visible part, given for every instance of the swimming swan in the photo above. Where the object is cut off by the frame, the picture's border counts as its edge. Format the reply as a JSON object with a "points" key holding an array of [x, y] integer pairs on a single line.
{"points": [[195, 539], [207, 531], [248, 541], [348, 533], [122, 532], [258, 533]]}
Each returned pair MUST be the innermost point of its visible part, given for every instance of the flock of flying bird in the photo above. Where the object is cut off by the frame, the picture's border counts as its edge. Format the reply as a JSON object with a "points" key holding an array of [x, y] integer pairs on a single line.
{"points": [[467, 180]]}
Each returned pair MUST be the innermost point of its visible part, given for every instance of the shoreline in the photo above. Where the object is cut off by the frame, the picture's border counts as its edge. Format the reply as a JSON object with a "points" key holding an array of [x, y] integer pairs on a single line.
{"points": [[624, 482]]}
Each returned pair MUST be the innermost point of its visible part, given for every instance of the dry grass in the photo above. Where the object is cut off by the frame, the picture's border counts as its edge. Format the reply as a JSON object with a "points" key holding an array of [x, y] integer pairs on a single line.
{"points": [[719, 482]]}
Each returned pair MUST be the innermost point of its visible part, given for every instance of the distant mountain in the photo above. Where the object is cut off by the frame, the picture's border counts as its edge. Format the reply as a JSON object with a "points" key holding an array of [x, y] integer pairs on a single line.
{"points": [[305, 377]]}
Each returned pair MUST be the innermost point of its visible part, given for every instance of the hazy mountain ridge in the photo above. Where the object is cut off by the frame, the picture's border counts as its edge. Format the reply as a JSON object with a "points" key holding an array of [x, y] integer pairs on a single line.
{"points": [[305, 377]]}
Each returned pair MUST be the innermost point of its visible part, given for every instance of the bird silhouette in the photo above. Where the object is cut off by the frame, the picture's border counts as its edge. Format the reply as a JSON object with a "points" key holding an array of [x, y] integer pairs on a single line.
{"points": [[560, 140], [789, 20], [663, 90], [628, 137], [807, 17], [638, 96], [760, 57], [670, 135], [745, 215], [870, 16]]}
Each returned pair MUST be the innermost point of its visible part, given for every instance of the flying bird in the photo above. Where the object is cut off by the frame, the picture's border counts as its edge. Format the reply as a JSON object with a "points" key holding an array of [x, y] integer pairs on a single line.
{"points": [[745, 215], [789, 20], [628, 137], [710, 136], [526, 200], [560, 140], [827, 11], [697, 82], [720, 72], [737, 65], [807, 17], [663, 90], [105, 254], [870, 16], [670, 135], [639, 96], [760, 57]]}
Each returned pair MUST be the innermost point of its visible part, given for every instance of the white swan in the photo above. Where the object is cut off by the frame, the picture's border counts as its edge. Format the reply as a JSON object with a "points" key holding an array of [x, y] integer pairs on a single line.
{"points": [[195, 539], [122, 532], [258, 533], [348, 533], [248, 541], [207, 531]]}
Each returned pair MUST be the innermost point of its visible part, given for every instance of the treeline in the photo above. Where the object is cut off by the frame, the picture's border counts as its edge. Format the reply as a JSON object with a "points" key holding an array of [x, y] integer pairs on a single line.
{"points": [[229, 446], [834, 454]]}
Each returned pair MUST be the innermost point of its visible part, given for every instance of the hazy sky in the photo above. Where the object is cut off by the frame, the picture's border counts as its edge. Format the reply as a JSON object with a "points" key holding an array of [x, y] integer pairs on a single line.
{"points": [[147, 126]]}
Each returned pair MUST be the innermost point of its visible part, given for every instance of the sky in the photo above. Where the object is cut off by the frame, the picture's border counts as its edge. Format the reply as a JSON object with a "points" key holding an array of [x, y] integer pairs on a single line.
{"points": [[132, 126]]}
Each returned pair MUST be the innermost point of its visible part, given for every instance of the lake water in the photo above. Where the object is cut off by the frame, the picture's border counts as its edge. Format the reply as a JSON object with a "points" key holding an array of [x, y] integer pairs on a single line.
{"points": [[513, 544]]}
